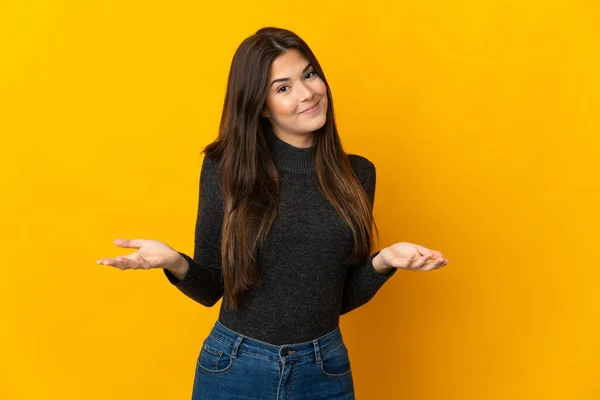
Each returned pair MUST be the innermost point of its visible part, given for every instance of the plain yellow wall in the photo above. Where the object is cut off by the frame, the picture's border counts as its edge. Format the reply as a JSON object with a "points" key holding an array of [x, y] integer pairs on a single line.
{"points": [[482, 118]]}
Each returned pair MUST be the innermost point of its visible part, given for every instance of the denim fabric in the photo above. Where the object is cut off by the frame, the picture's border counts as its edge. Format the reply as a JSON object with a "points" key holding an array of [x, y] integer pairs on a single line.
{"points": [[233, 366]]}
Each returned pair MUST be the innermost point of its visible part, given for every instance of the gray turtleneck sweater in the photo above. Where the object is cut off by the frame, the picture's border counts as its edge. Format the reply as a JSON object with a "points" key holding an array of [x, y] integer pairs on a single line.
{"points": [[306, 284]]}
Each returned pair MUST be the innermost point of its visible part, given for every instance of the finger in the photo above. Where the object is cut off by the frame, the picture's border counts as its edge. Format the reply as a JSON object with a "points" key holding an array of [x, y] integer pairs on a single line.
{"points": [[405, 263], [113, 262], [418, 263], [106, 261], [145, 263], [432, 264], [137, 261], [423, 250], [117, 262], [436, 261], [132, 262], [133, 243], [441, 264], [401, 262], [126, 263], [437, 254]]}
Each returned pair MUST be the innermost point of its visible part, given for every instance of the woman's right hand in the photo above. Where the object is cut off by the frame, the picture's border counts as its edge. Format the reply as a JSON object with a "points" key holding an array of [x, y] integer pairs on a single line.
{"points": [[150, 254]]}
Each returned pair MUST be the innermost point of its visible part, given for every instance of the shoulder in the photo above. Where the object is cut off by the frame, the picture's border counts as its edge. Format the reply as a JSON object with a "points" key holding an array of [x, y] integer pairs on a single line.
{"points": [[209, 180], [210, 166], [212, 161], [363, 167], [209, 176]]}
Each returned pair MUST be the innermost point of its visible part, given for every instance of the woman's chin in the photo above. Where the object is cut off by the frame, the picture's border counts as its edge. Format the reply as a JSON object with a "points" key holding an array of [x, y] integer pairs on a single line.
{"points": [[318, 124]]}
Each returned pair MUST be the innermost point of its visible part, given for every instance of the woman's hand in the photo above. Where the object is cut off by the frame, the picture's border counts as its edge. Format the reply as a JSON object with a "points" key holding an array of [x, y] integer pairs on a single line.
{"points": [[411, 257], [150, 254]]}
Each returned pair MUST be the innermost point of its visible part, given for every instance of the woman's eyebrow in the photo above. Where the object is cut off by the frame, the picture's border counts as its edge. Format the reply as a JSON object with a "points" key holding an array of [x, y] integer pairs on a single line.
{"points": [[286, 79]]}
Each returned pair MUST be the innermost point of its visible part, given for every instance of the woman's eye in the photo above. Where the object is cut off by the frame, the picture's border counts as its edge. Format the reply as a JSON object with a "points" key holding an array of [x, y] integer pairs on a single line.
{"points": [[308, 77]]}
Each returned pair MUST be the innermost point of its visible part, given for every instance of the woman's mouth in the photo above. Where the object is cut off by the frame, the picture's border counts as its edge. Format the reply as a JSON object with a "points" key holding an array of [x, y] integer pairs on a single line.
{"points": [[311, 109]]}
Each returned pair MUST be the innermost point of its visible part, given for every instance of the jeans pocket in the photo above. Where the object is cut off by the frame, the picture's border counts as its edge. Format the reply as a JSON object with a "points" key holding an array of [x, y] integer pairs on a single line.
{"points": [[335, 363], [215, 357]]}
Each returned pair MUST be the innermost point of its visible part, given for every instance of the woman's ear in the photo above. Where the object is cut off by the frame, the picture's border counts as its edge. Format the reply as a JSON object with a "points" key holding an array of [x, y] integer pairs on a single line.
{"points": [[264, 113]]}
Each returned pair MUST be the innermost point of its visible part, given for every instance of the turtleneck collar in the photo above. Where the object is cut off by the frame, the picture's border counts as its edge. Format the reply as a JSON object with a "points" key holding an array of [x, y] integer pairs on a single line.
{"points": [[291, 158]]}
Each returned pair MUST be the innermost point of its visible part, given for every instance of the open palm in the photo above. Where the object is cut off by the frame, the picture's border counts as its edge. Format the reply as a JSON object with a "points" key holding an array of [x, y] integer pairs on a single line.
{"points": [[150, 254], [412, 257]]}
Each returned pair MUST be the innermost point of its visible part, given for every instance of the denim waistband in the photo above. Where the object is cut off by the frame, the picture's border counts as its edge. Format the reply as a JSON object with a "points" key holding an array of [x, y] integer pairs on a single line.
{"points": [[242, 343]]}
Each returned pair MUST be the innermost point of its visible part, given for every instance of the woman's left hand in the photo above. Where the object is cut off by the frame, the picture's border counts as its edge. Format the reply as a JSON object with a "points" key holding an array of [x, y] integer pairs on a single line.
{"points": [[412, 257]]}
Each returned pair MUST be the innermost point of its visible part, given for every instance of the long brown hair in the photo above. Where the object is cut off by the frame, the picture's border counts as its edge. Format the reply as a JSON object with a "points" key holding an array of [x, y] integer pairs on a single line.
{"points": [[248, 177]]}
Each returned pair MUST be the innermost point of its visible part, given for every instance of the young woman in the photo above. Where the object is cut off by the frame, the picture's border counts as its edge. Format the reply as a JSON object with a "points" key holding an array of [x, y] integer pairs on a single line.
{"points": [[283, 234]]}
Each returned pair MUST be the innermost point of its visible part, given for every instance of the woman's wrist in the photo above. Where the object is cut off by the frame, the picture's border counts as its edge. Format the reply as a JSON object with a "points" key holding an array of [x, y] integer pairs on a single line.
{"points": [[180, 267], [380, 267]]}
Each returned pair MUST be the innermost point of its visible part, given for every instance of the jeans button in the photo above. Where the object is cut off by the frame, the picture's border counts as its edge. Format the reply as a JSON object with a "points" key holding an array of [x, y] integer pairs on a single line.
{"points": [[284, 352]]}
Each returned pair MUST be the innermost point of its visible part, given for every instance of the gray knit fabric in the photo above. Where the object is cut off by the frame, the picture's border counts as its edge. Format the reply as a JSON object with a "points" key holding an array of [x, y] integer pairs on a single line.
{"points": [[306, 285]]}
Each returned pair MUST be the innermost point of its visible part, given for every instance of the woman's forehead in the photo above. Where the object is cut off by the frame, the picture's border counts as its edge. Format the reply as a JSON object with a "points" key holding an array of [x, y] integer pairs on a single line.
{"points": [[289, 62]]}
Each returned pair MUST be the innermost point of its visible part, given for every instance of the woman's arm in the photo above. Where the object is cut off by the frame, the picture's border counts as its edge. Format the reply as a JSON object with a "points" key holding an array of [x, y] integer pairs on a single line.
{"points": [[366, 278], [201, 277]]}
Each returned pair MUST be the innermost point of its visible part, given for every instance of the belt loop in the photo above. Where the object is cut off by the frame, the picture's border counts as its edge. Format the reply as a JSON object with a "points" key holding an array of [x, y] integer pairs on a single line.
{"points": [[317, 351], [238, 341]]}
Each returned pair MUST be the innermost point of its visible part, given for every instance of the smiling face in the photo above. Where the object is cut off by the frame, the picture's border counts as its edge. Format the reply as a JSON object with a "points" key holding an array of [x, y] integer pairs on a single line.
{"points": [[294, 87]]}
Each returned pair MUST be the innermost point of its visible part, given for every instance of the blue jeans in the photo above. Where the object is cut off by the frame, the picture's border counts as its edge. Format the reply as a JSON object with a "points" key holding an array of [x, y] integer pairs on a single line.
{"points": [[233, 366]]}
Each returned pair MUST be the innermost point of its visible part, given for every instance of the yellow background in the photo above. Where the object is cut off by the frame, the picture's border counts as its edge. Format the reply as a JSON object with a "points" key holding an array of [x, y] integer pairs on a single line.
{"points": [[482, 118]]}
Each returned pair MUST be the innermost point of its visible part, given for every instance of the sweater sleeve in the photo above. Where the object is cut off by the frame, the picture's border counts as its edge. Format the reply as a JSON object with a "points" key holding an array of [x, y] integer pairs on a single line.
{"points": [[203, 282], [362, 281]]}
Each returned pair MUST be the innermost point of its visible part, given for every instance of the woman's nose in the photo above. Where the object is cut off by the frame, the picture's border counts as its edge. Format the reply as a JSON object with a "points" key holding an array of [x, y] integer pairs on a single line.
{"points": [[306, 92]]}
